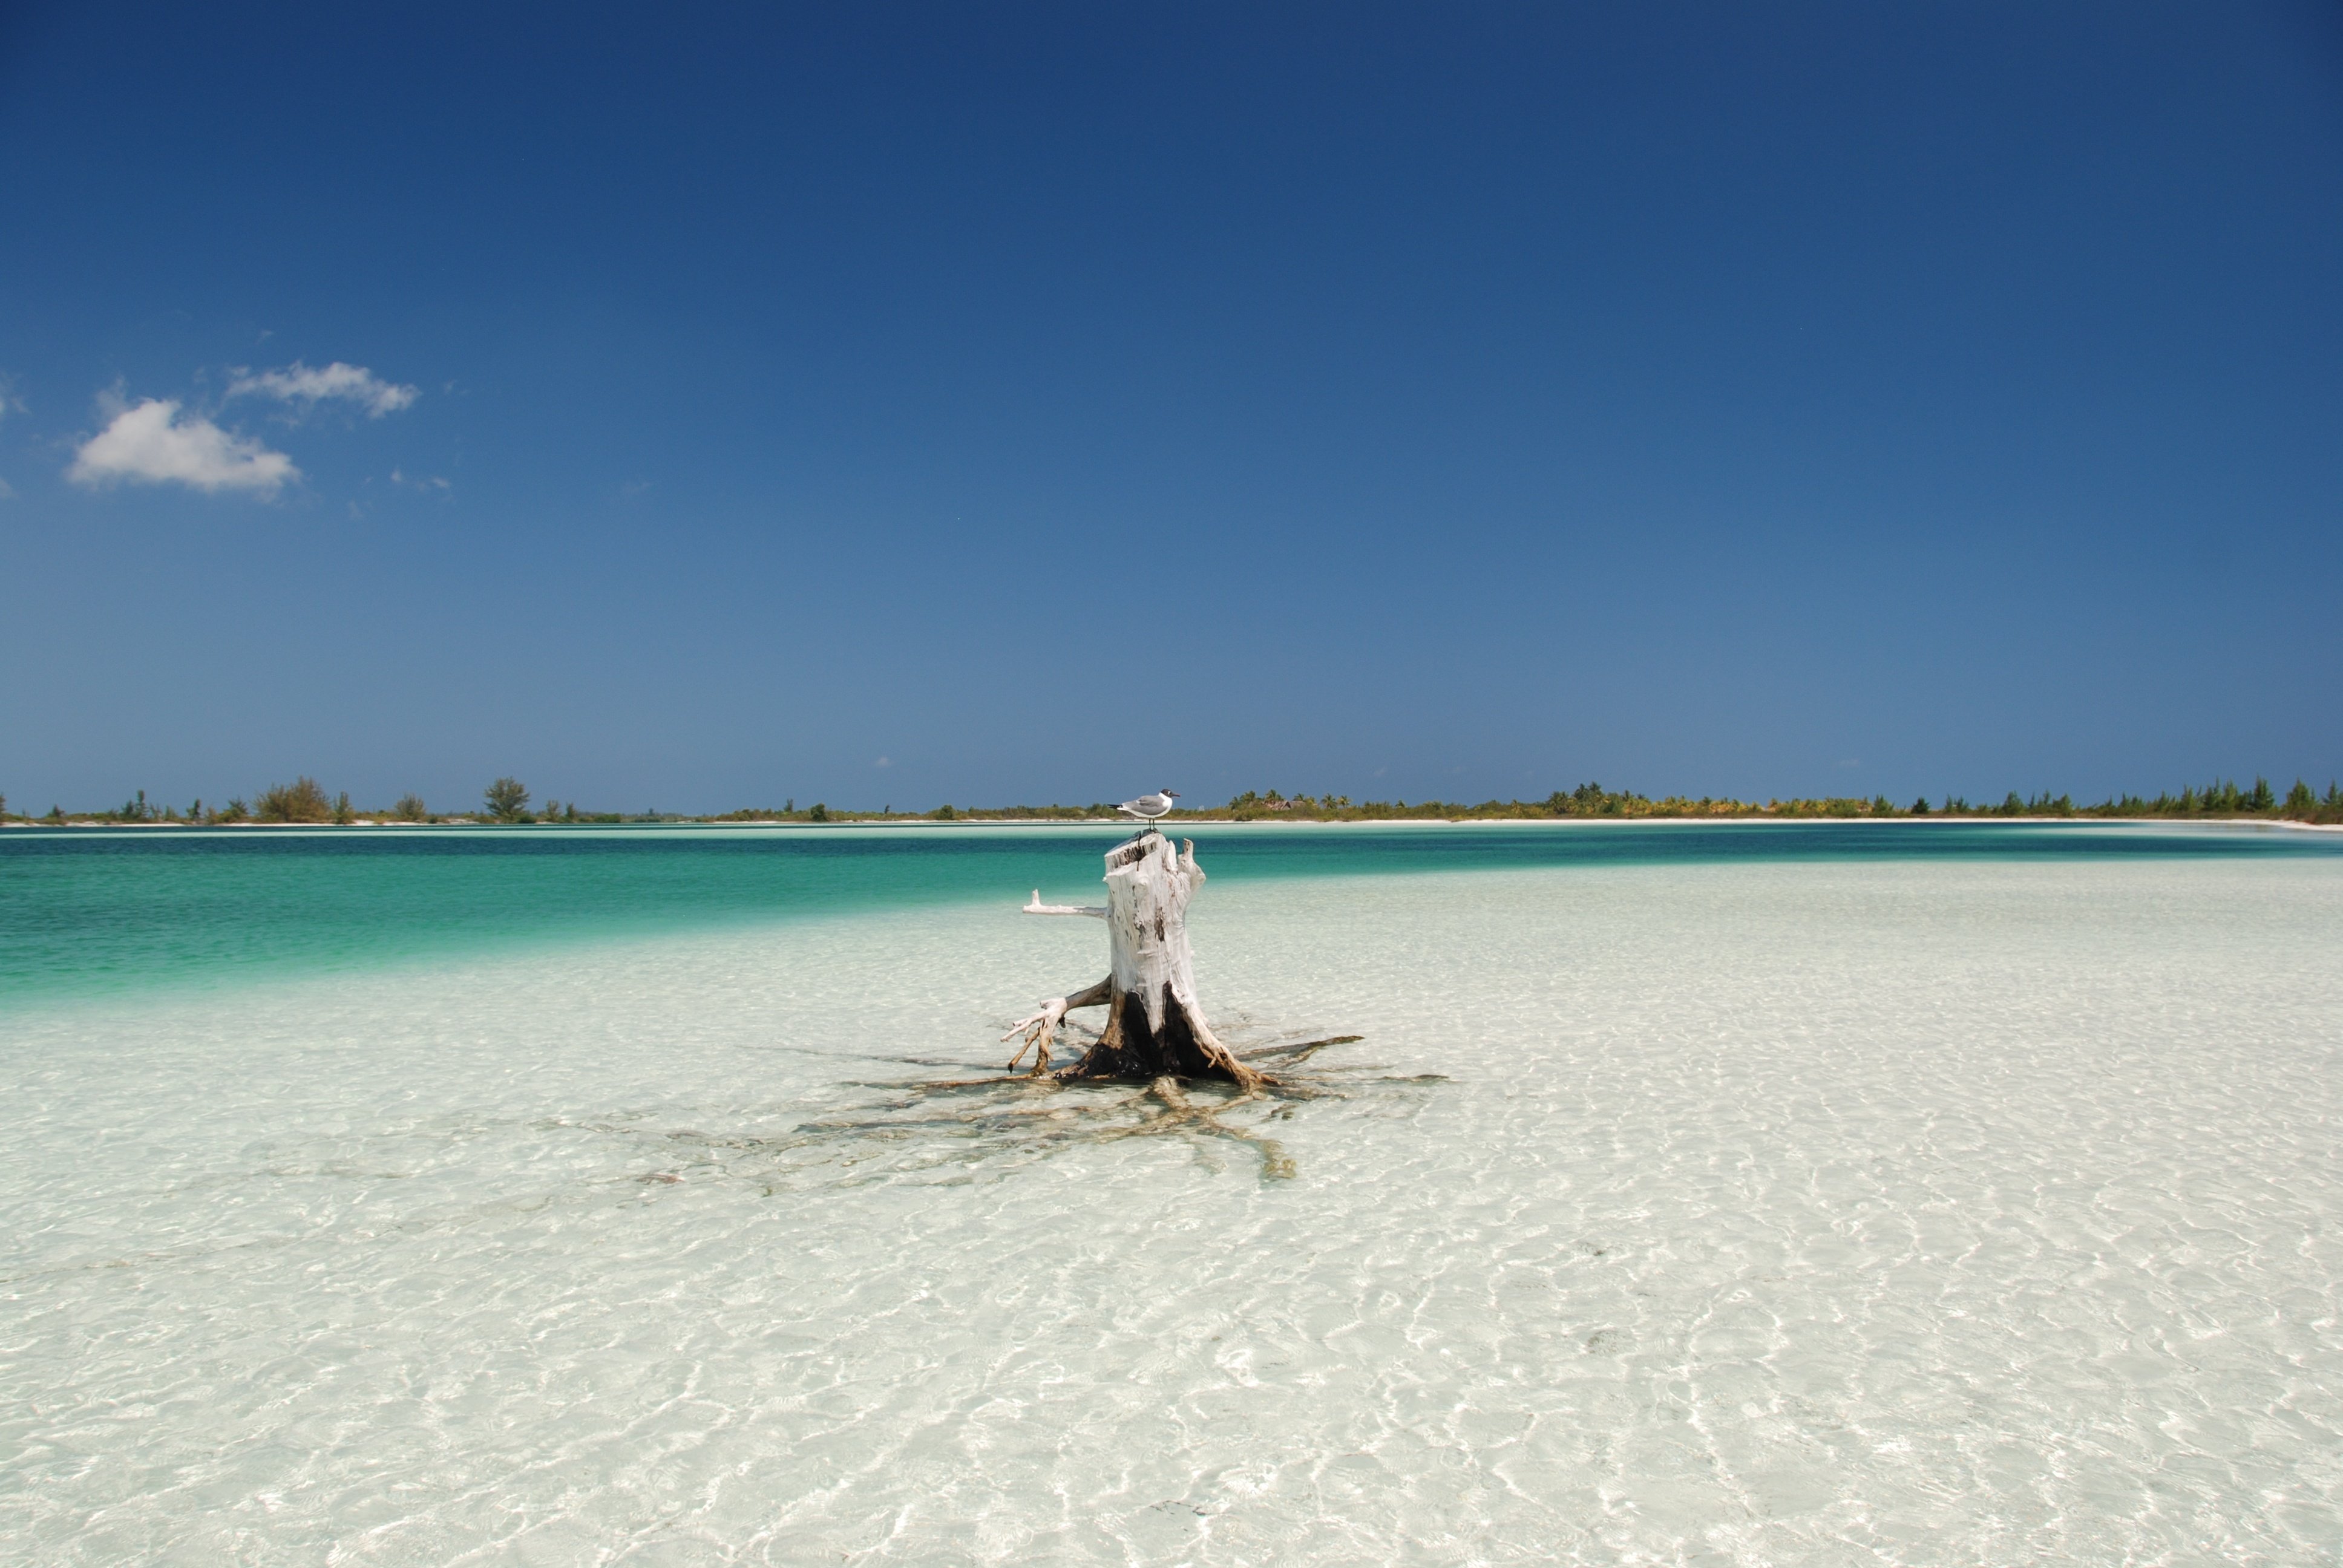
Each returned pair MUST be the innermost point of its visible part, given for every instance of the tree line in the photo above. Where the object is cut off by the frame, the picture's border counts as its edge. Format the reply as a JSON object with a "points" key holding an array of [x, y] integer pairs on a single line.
{"points": [[306, 801], [2222, 799], [507, 801]]}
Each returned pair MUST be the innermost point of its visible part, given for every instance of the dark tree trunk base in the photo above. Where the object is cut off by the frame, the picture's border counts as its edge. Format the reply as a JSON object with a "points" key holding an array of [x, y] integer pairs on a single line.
{"points": [[1131, 1049]]}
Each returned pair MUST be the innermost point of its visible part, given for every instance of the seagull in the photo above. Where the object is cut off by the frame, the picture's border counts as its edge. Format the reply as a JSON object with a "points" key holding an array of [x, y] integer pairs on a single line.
{"points": [[1148, 807]]}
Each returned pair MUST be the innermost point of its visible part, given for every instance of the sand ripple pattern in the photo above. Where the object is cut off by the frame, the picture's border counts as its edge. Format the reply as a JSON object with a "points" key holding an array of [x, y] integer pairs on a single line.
{"points": [[1726, 1214]]}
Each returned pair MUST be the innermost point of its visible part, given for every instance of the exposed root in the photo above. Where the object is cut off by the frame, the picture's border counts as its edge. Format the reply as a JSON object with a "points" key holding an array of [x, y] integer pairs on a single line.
{"points": [[1040, 1031]]}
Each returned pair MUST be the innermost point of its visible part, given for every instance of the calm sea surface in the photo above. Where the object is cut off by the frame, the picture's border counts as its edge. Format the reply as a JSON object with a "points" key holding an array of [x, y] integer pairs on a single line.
{"points": [[1838, 1193], [131, 909]]}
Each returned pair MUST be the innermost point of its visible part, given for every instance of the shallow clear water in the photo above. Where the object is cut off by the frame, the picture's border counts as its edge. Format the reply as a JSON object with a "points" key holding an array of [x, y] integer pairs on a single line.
{"points": [[1735, 1206], [129, 909]]}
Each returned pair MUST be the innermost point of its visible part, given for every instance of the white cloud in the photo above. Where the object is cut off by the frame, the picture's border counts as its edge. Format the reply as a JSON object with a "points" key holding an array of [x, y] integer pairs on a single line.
{"points": [[297, 383], [884, 762], [151, 444], [7, 491]]}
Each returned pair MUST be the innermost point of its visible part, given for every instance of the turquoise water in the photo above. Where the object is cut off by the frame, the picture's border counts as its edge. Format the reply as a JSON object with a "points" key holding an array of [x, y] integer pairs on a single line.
{"points": [[1878, 1197], [104, 911]]}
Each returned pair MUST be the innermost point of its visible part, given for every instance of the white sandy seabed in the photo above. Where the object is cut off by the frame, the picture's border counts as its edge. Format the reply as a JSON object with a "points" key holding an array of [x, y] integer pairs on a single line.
{"points": [[1850, 1213]]}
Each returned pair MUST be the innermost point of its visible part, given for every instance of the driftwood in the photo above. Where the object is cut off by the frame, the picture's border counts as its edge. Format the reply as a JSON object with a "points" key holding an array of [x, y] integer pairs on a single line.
{"points": [[1155, 1026]]}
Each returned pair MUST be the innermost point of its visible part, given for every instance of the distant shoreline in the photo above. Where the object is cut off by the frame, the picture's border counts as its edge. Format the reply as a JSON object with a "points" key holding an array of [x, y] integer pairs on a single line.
{"points": [[1750, 818], [507, 803]]}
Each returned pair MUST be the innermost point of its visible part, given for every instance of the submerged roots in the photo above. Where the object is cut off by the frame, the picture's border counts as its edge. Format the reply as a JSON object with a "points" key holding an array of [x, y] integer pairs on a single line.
{"points": [[1046, 1113], [955, 1130], [1024, 1118]]}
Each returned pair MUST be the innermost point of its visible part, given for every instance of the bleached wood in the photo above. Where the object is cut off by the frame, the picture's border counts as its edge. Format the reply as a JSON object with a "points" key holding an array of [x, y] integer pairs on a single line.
{"points": [[1040, 1031], [1152, 972], [1038, 908], [1147, 891]]}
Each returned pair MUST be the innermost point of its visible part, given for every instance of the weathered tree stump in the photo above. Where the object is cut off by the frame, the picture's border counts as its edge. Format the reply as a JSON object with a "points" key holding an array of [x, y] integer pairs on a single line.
{"points": [[1155, 1026]]}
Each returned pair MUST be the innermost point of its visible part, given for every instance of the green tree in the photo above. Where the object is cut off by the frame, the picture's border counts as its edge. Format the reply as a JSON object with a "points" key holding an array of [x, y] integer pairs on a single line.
{"points": [[2261, 799], [821, 813], [507, 799], [944, 813], [343, 815], [1920, 806], [410, 807], [303, 800]]}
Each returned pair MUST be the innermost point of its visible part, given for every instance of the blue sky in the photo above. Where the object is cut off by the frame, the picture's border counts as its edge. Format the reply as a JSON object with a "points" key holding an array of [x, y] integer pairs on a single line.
{"points": [[899, 405]]}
